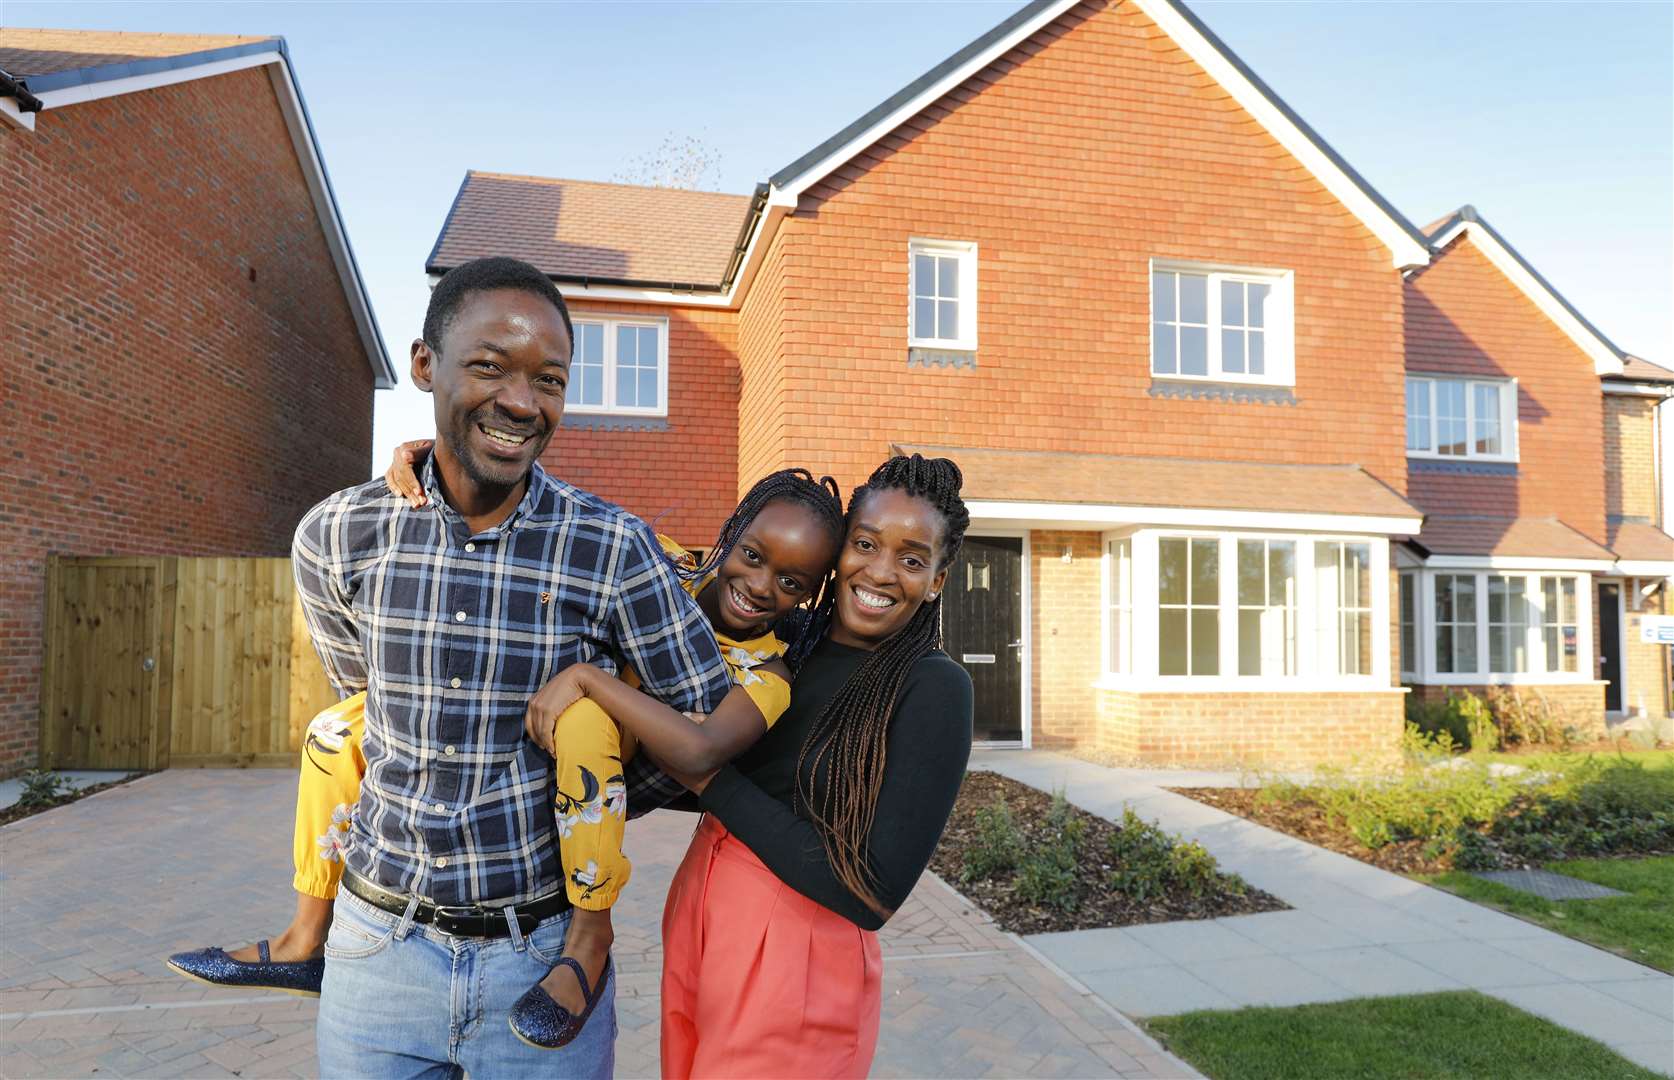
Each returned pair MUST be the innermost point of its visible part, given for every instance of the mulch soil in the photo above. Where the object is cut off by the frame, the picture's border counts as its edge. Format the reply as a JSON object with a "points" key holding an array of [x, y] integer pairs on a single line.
{"points": [[1098, 905], [1306, 821], [18, 813]]}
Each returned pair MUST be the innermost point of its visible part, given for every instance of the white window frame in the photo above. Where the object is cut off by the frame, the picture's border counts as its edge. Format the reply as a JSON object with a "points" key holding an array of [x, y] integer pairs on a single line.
{"points": [[966, 252], [611, 323], [1308, 676], [1508, 417], [1112, 602], [1535, 648], [1279, 331]]}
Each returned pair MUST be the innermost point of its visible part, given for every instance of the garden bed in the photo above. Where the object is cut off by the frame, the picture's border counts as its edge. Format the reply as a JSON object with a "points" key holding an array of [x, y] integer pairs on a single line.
{"points": [[1040, 865], [46, 798], [1308, 821]]}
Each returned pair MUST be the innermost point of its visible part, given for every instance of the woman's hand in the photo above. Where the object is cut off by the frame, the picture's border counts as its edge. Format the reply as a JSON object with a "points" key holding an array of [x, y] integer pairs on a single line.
{"points": [[402, 478], [564, 689]]}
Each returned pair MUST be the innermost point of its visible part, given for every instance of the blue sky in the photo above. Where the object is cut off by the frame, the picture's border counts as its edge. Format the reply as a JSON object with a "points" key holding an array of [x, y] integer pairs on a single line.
{"points": [[1555, 119]]}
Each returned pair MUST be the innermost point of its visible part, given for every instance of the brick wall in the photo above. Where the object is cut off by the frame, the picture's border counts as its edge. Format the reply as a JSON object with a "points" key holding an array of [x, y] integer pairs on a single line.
{"points": [[1267, 729], [761, 362], [680, 474], [1066, 634], [1630, 470], [1647, 665], [1464, 317], [1581, 703], [1085, 152], [157, 398]]}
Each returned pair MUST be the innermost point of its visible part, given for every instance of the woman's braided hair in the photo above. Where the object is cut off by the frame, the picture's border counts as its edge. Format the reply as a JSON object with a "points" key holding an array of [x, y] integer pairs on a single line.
{"points": [[798, 486], [840, 770]]}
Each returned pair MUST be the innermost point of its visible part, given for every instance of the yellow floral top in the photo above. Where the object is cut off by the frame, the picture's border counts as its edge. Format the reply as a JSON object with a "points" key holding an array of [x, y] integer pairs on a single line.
{"points": [[744, 659]]}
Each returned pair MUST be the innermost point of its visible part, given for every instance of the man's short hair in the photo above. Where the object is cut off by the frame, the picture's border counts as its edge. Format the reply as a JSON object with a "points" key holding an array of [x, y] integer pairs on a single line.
{"points": [[482, 275]]}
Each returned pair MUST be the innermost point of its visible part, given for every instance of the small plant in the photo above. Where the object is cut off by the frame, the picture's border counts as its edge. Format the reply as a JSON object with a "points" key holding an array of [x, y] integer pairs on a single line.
{"points": [[1146, 863], [41, 788], [1528, 718], [998, 845]]}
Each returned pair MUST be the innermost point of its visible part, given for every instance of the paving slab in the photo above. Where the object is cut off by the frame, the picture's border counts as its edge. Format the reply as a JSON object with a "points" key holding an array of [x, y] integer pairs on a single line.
{"points": [[1353, 925], [1081, 952], [1656, 1054], [1268, 980], [203, 856]]}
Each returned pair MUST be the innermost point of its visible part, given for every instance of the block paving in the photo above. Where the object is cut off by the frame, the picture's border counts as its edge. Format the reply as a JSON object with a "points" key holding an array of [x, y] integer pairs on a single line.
{"points": [[94, 895]]}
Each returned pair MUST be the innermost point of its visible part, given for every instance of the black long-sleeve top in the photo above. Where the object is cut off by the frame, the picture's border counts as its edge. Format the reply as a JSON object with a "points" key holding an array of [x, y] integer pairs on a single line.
{"points": [[928, 747]]}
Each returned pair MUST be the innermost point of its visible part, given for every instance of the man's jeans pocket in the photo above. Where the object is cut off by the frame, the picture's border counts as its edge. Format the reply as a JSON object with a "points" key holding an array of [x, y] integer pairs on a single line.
{"points": [[358, 930]]}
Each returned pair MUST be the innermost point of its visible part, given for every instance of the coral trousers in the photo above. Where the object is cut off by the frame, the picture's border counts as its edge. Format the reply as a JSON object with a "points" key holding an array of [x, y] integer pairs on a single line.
{"points": [[759, 980]]}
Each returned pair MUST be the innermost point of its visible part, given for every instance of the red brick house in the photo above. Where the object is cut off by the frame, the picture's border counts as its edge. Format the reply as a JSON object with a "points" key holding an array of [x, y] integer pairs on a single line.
{"points": [[189, 351], [1166, 331]]}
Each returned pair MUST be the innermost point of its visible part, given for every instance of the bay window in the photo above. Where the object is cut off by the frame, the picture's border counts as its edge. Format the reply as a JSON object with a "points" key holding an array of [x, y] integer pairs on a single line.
{"points": [[1508, 623], [1409, 623], [1455, 622], [1494, 625], [1559, 624], [1228, 611]]}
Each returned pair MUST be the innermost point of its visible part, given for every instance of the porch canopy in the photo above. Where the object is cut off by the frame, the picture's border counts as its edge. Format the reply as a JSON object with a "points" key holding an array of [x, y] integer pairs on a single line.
{"points": [[1509, 542], [1047, 490], [1641, 549]]}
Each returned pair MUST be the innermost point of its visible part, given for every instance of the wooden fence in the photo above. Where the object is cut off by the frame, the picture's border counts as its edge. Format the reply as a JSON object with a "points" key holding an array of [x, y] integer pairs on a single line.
{"points": [[152, 662]]}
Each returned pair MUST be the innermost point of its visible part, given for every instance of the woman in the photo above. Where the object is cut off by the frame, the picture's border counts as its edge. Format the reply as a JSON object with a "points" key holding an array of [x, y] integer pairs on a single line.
{"points": [[812, 838]]}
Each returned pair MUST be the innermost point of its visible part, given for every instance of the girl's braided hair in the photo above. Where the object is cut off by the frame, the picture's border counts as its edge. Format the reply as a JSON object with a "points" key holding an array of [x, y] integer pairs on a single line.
{"points": [[798, 486], [841, 766]]}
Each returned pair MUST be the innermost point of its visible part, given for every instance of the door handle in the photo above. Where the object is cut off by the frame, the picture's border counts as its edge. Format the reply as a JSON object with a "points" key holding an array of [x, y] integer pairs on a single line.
{"points": [[1014, 645]]}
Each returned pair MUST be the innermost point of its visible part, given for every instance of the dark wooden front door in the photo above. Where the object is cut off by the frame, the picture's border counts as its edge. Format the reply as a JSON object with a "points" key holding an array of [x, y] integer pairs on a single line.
{"points": [[1610, 643], [982, 629]]}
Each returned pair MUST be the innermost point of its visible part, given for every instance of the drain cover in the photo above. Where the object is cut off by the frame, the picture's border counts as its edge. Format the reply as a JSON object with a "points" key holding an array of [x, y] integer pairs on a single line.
{"points": [[1549, 886]]}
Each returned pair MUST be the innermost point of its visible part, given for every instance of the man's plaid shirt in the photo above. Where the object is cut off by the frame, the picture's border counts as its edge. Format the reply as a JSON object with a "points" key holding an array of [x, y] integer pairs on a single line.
{"points": [[451, 634]]}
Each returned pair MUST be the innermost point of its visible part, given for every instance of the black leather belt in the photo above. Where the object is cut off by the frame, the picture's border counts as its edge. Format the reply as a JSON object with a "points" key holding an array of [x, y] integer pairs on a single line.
{"points": [[468, 920]]}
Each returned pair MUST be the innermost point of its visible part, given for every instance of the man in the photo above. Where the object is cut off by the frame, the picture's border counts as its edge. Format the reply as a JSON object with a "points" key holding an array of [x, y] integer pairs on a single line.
{"points": [[451, 617]]}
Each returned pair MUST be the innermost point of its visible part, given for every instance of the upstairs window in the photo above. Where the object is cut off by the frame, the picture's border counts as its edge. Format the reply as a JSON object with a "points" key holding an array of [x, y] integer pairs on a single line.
{"points": [[1221, 325], [942, 285], [1461, 418], [619, 366]]}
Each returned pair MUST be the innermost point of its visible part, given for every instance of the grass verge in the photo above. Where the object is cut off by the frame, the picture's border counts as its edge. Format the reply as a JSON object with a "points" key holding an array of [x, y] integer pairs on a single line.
{"points": [[1639, 926], [1435, 1036]]}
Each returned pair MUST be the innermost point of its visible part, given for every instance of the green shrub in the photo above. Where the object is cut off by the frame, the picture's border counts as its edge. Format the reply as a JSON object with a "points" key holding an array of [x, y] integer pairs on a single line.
{"points": [[998, 845], [1616, 807], [1527, 718], [1047, 875], [1464, 720], [1147, 863], [42, 788]]}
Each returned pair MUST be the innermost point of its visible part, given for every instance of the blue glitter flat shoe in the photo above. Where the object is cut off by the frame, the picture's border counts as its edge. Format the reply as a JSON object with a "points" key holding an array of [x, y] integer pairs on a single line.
{"points": [[547, 1025], [215, 967]]}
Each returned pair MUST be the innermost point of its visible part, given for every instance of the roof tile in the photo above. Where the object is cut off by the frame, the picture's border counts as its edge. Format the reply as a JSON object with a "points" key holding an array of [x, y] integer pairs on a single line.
{"points": [[1039, 476], [1640, 541], [1508, 537], [26, 52], [575, 229]]}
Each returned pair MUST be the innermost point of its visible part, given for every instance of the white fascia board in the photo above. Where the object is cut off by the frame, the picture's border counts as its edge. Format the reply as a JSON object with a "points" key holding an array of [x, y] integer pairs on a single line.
{"points": [[1405, 250], [788, 195], [12, 116], [1654, 568], [1039, 515], [1653, 390], [1515, 562], [1605, 360], [75, 95], [1244, 684], [331, 225]]}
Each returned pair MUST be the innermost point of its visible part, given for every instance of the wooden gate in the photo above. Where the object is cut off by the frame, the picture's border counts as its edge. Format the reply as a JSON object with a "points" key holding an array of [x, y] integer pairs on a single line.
{"points": [[152, 662]]}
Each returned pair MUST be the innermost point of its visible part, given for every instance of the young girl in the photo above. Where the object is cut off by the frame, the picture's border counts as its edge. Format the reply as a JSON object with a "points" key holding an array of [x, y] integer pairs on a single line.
{"points": [[773, 554]]}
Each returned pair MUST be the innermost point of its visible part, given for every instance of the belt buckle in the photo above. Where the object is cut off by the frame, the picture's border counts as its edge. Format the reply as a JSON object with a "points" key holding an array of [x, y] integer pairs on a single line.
{"points": [[448, 919]]}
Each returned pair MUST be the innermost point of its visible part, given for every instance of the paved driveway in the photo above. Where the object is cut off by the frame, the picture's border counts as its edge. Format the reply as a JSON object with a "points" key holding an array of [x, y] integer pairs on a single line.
{"points": [[94, 895]]}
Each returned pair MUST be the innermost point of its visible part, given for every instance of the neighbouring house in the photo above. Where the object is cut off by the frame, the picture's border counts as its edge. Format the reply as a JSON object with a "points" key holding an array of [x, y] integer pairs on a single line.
{"points": [[1532, 449], [189, 350], [1175, 342]]}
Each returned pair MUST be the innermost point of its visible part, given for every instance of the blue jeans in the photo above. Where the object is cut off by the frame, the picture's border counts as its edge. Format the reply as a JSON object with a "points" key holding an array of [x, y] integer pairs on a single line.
{"points": [[402, 1000]]}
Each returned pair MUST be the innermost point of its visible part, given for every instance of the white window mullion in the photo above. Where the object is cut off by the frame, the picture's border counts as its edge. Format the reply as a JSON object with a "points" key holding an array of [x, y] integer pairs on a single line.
{"points": [[1228, 599], [1380, 611], [1307, 611], [1534, 648], [1145, 604]]}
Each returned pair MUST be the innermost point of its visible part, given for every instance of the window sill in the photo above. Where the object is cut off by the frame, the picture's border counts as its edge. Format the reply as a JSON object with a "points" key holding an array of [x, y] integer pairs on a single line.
{"points": [[1533, 678], [1429, 463], [941, 356], [1208, 390], [592, 421]]}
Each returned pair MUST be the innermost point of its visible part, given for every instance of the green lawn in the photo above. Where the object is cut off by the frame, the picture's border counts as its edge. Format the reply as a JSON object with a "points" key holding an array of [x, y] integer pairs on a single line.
{"points": [[1639, 926], [1428, 1036], [1556, 760]]}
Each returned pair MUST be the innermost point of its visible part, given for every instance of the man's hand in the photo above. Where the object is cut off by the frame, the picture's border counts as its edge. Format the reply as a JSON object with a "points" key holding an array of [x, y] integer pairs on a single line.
{"points": [[401, 477], [566, 688]]}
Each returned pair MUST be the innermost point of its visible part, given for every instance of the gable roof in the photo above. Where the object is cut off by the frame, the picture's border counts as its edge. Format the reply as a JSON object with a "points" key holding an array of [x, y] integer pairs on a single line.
{"points": [[1606, 356], [595, 233], [42, 70], [1407, 246]]}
